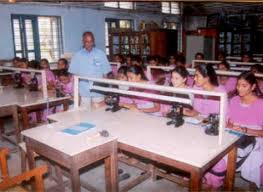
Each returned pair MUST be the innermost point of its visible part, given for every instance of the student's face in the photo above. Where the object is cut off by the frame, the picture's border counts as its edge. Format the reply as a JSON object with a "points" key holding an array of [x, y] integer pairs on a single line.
{"points": [[245, 58], [179, 63], [121, 77], [133, 77], [128, 61], [64, 79], [244, 88], [199, 57], [222, 67], [153, 63], [254, 70], [15, 62], [88, 42], [172, 60], [61, 65], [136, 63], [44, 65], [117, 59], [221, 57], [199, 79], [23, 65], [177, 80]]}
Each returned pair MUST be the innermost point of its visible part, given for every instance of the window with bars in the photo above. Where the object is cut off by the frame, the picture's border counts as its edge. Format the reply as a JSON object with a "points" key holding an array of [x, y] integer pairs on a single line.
{"points": [[115, 25], [37, 37], [120, 5], [171, 8]]}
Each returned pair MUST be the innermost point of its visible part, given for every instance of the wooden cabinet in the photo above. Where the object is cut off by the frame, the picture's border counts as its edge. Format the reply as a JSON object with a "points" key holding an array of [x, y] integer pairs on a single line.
{"points": [[159, 42]]}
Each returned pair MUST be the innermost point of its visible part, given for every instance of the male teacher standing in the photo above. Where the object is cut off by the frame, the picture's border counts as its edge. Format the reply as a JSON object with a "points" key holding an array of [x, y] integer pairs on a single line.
{"points": [[91, 62]]}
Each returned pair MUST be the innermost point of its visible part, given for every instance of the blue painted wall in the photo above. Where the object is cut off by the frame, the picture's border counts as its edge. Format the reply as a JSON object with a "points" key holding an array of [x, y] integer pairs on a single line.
{"points": [[74, 22]]}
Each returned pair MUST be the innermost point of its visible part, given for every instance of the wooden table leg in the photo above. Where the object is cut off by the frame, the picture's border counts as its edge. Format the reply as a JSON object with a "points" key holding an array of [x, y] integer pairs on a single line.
{"points": [[39, 116], [16, 124], [196, 180], [75, 178], [30, 155], [31, 159], [59, 176], [2, 127], [25, 119], [111, 171], [231, 169], [65, 105]]}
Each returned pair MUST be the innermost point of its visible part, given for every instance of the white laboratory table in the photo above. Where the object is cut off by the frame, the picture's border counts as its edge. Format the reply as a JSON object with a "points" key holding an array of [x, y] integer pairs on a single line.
{"points": [[186, 148], [13, 101], [73, 152]]}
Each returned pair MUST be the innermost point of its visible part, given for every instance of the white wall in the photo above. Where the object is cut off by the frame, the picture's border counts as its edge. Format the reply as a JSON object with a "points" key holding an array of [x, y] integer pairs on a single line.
{"points": [[74, 22], [192, 23]]}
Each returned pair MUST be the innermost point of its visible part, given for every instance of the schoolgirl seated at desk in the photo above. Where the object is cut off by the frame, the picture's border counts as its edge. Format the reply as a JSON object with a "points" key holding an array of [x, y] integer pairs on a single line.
{"points": [[135, 74], [229, 83], [245, 115], [206, 79]]}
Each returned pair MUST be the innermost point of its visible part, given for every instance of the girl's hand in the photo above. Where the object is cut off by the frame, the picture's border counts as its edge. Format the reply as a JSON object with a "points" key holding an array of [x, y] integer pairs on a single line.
{"points": [[134, 108], [190, 113], [237, 128], [230, 124], [186, 111], [131, 107]]}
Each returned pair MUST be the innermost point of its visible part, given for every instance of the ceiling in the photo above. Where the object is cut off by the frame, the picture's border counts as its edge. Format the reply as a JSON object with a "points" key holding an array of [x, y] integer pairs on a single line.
{"points": [[192, 7]]}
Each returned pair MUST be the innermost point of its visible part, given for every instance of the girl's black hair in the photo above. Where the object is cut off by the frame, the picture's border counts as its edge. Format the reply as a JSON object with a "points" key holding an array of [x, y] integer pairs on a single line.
{"points": [[252, 80], [123, 70], [207, 70], [258, 67], [34, 64], [137, 70], [249, 54], [44, 60], [181, 70], [222, 53], [180, 59], [63, 72], [201, 54], [226, 64], [136, 58], [65, 61]]}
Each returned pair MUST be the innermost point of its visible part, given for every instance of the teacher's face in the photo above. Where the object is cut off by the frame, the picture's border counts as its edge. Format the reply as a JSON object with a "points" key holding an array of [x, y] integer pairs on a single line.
{"points": [[88, 42]]}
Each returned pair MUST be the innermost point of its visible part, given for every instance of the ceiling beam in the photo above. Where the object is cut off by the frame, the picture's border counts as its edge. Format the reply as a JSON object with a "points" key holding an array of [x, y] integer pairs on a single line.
{"points": [[210, 1]]}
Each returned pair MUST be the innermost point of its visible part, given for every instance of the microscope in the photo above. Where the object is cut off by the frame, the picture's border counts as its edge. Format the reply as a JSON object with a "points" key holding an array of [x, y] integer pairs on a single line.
{"points": [[176, 115], [33, 86], [18, 81], [59, 91], [212, 125], [112, 100]]}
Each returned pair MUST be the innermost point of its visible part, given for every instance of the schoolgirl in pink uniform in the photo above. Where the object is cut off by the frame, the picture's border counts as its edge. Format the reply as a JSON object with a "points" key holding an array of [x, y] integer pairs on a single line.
{"points": [[206, 79], [26, 76], [122, 76], [257, 68], [51, 80], [178, 79], [229, 83], [136, 74], [65, 82], [62, 64], [245, 114]]}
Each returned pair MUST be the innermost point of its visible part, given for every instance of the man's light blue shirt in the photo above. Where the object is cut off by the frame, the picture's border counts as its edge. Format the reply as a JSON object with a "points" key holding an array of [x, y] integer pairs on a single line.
{"points": [[89, 64]]}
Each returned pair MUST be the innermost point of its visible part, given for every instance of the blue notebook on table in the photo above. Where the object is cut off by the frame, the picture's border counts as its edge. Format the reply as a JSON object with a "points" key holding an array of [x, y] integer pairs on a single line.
{"points": [[233, 132], [79, 128]]}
